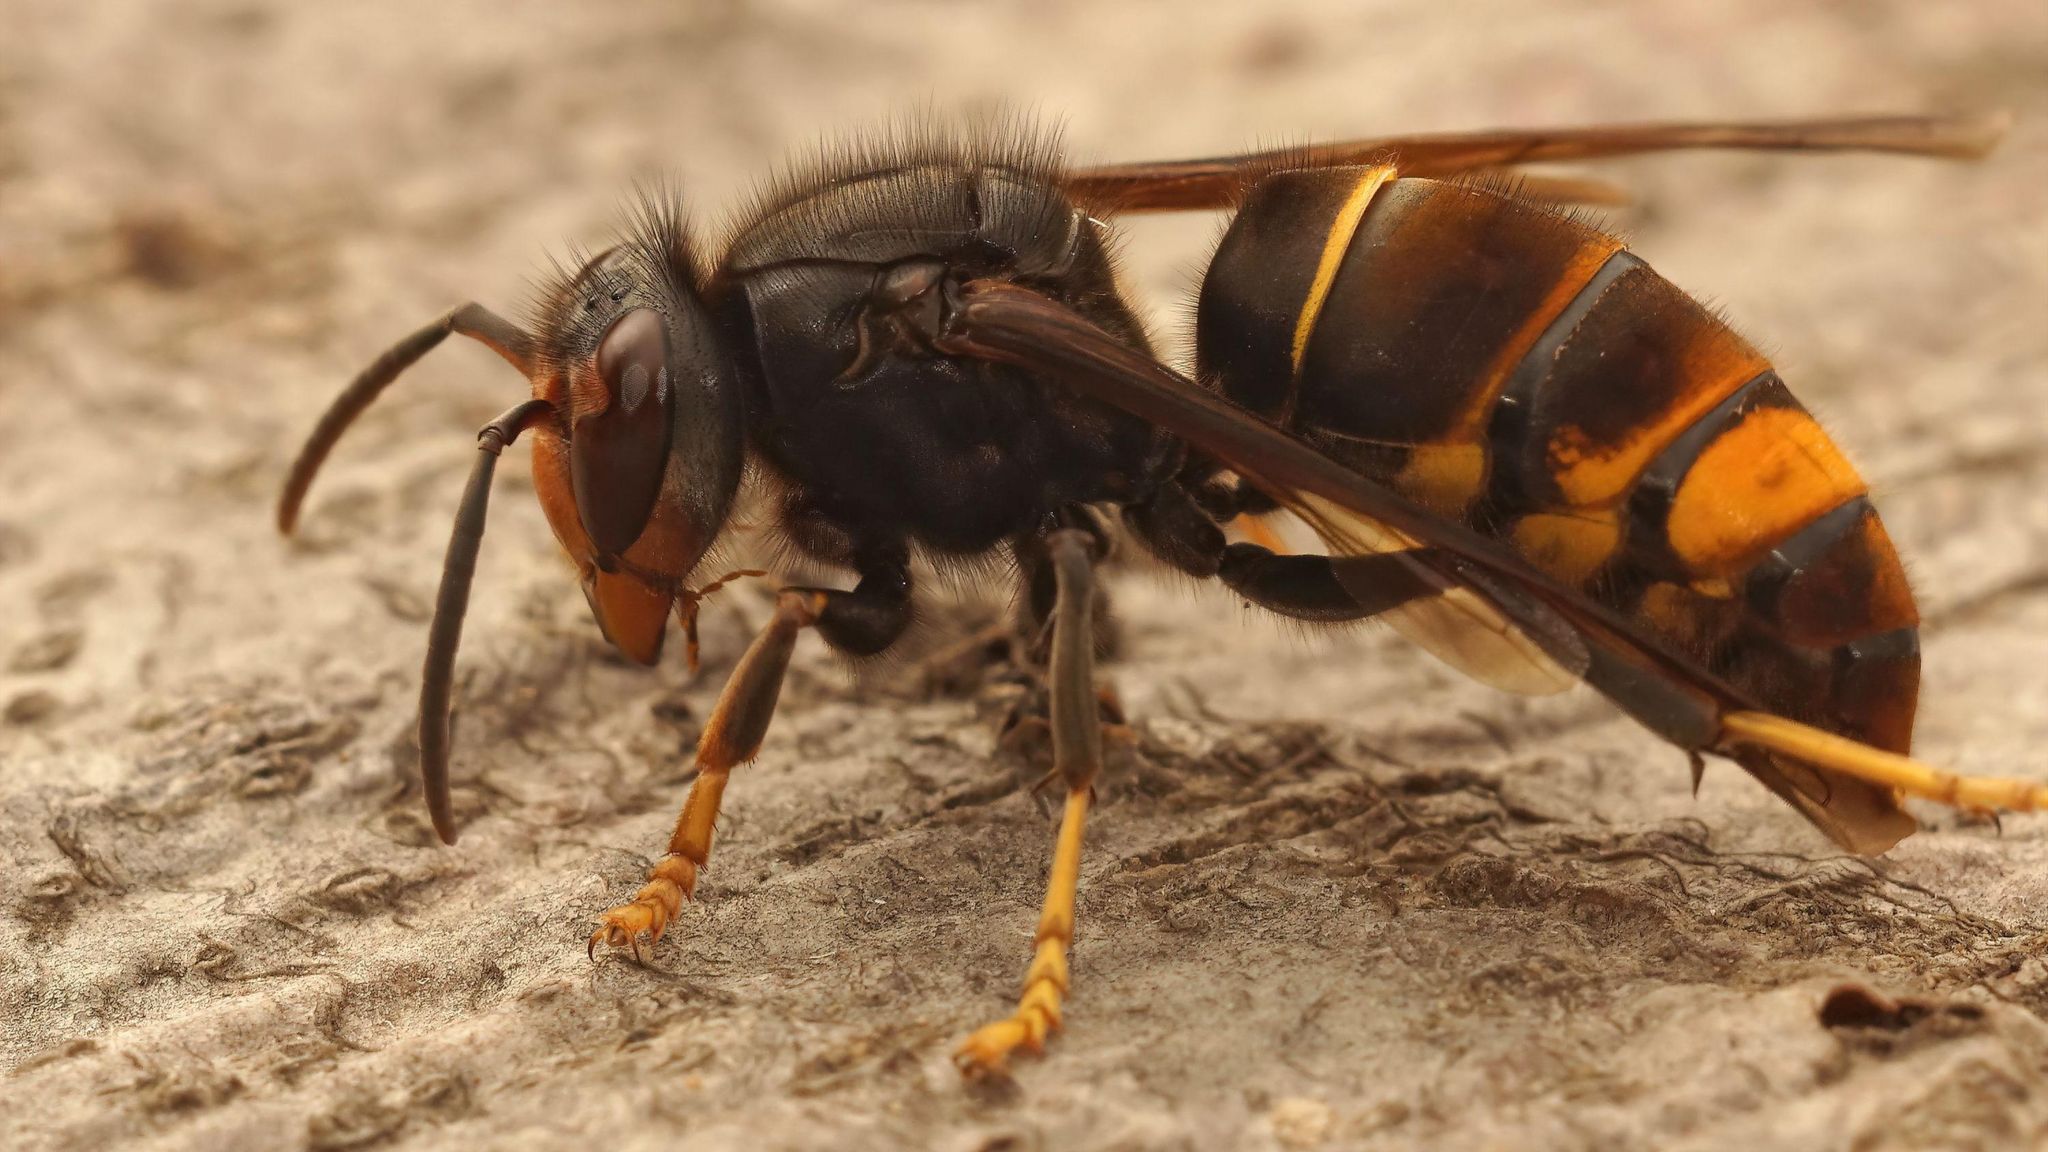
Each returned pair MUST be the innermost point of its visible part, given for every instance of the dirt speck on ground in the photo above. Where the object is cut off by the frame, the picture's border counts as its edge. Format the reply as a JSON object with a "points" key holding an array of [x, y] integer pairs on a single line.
{"points": [[1335, 896]]}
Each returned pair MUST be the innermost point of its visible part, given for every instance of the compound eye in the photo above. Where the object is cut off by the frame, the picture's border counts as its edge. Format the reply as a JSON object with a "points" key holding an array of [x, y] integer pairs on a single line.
{"points": [[619, 453]]}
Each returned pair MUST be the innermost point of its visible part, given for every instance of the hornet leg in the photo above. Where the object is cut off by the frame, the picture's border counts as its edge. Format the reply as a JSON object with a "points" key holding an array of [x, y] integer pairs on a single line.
{"points": [[864, 620], [1077, 755], [732, 737]]}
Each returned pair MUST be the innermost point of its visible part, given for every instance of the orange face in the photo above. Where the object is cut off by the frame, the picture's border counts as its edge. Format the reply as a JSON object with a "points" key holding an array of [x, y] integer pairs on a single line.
{"points": [[631, 605], [638, 462], [633, 512]]}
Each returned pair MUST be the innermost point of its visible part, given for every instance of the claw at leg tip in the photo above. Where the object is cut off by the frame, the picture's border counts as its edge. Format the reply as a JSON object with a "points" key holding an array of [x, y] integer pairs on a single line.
{"points": [[986, 1053], [976, 1063]]}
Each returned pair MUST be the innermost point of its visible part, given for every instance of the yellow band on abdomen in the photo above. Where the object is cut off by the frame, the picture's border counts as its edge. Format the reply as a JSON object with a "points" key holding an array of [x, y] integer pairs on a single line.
{"points": [[1339, 242]]}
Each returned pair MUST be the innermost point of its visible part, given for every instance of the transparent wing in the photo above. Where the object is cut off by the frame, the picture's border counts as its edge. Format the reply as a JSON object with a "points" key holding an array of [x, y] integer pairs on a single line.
{"points": [[1459, 625]]}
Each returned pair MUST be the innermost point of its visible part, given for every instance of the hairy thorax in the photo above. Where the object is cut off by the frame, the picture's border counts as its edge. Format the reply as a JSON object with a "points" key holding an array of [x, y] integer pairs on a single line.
{"points": [[875, 437]]}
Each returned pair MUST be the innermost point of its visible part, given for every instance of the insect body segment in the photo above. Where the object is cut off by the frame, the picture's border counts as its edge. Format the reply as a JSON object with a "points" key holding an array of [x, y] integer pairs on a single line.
{"points": [[1518, 369]]}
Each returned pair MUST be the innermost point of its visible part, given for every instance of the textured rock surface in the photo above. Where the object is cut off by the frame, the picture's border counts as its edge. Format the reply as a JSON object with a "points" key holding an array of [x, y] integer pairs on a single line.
{"points": [[1337, 896]]}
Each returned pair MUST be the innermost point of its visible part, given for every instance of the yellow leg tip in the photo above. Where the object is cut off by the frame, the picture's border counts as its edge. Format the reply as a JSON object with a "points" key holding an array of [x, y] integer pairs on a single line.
{"points": [[987, 1051], [653, 909], [1885, 769]]}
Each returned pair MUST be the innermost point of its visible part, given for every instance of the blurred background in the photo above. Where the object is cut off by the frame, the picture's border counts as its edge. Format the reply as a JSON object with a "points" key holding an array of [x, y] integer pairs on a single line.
{"points": [[220, 919]]}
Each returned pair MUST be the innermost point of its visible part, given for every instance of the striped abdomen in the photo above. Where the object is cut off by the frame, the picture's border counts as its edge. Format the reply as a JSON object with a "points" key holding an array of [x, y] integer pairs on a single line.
{"points": [[1518, 370]]}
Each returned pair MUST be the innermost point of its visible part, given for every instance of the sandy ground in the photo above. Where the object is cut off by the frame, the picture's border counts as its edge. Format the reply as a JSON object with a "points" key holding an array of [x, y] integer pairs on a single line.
{"points": [[1336, 896]]}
